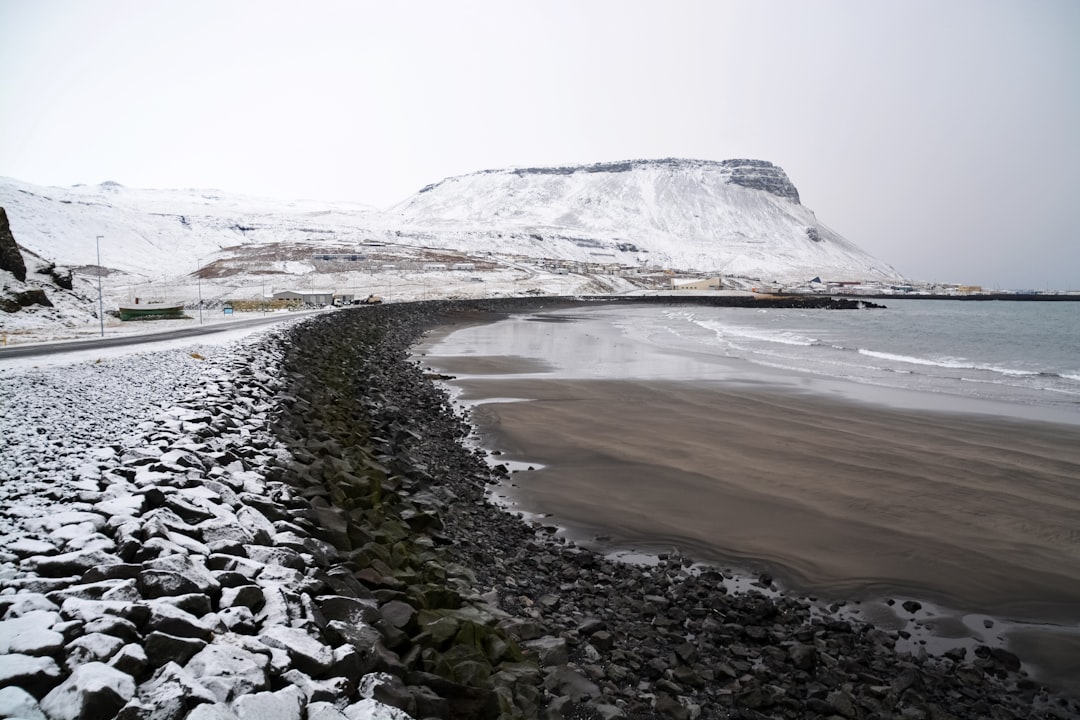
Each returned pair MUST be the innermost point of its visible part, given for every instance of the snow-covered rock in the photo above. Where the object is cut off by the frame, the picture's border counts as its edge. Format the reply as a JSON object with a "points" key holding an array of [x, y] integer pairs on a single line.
{"points": [[93, 690]]}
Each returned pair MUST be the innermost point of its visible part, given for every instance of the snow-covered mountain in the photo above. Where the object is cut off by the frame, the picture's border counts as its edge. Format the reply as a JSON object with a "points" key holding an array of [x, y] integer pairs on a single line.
{"points": [[148, 232], [734, 217]]}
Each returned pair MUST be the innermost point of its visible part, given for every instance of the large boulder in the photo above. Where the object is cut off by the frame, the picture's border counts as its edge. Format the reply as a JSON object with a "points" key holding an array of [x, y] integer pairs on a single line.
{"points": [[93, 690], [10, 257]]}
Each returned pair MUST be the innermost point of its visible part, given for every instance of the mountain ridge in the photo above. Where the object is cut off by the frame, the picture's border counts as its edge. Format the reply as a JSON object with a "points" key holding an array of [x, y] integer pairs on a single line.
{"points": [[732, 217], [739, 217], [744, 172]]}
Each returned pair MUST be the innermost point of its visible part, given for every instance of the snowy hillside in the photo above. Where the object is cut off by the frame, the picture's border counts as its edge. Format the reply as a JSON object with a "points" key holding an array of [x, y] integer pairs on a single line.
{"points": [[595, 229], [150, 231], [736, 217]]}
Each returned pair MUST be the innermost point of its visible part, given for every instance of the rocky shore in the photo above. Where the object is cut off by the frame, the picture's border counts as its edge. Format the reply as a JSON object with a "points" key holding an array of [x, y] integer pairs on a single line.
{"points": [[301, 531]]}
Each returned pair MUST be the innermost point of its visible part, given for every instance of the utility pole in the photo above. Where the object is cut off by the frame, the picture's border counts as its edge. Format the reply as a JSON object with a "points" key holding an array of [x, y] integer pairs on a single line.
{"points": [[198, 275], [100, 304]]}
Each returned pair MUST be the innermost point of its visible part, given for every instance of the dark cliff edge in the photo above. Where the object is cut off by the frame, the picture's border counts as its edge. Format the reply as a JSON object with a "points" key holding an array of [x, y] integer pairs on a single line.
{"points": [[473, 613], [754, 174], [10, 257]]}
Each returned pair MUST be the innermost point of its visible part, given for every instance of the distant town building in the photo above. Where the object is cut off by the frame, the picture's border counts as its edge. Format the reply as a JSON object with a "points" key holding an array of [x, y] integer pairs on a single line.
{"points": [[713, 283], [310, 297]]}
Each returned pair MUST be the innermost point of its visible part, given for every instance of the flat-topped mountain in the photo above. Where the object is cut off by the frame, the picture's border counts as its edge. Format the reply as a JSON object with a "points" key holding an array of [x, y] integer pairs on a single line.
{"points": [[757, 174], [735, 217]]}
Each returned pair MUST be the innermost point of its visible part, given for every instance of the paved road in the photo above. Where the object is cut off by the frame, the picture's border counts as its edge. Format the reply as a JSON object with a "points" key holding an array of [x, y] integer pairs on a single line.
{"points": [[41, 349]]}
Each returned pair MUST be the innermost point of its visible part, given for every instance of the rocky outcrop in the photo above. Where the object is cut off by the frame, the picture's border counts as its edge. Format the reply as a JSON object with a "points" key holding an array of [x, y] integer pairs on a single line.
{"points": [[754, 174], [10, 257], [63, 277], [762, 175], [26, 298]]}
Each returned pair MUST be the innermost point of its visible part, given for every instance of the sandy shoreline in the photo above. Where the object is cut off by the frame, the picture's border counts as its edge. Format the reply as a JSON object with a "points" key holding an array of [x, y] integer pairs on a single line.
{"points": [[838, 499]]}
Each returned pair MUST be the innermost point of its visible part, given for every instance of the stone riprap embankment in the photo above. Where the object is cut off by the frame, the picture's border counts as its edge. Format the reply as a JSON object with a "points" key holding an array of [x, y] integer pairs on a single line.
{"points": [[299, 530], [150, 568]]}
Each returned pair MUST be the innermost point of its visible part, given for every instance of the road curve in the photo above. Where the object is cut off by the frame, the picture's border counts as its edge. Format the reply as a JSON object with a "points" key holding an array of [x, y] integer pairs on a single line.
{"points": [[54, 348]]}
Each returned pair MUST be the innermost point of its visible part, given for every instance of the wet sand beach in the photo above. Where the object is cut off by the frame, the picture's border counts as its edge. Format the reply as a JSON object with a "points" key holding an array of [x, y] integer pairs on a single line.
{"points": [[839, 499]]}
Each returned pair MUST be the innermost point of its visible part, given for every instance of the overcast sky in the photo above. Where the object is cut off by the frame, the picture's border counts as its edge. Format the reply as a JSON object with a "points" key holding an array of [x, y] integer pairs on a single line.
{"points": [[942, 136]]}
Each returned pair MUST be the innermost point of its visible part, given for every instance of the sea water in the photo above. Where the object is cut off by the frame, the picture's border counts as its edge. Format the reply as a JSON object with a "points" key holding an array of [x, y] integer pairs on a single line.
{"points": [[1016, 359], [1019, 355]]}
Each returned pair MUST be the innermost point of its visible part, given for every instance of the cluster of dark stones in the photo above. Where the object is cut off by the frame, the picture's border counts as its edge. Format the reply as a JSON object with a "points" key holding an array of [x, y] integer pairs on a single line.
{"points": [[481, 614]]}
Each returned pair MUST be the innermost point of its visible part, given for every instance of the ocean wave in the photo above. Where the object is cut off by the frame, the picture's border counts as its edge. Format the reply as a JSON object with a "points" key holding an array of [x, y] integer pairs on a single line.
{"points": [[783, 337], [953, 364]]}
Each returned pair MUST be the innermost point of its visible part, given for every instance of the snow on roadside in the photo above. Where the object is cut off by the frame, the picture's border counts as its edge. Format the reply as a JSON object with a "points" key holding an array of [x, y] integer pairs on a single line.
{"points": [[139, 572]]}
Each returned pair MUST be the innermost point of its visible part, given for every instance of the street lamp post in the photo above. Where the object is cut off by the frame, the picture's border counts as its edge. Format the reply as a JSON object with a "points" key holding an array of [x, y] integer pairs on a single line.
{"points": [[100, 304]]}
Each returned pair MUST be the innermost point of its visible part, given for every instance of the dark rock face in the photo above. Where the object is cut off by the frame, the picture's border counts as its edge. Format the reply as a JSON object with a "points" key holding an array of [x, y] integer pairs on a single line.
{"points": [[762, 175], [754, 174], [26, 298], [10, 257], [63, 277]]}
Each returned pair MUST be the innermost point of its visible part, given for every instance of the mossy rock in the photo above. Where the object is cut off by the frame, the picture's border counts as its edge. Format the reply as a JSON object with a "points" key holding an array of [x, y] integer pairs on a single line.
{"points": [[442, 630], [421, 521], [520, 673], [472, 673], [386, 531], [469, 666], [432, 661], [401, 555], [407, 576], [497, 649], [473, 614], [437, 596]]}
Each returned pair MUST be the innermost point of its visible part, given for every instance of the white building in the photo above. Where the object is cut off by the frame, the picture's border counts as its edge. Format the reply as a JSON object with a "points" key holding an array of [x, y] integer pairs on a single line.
{"points": [[713, 283], [309, 297]]}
